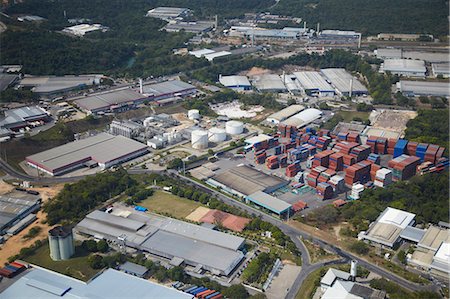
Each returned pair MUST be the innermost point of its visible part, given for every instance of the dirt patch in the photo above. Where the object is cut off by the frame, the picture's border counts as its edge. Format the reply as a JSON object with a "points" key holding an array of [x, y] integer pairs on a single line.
{"points": [[198, 214], [5, 187], [256, 71], [15, 243], [391, 119]]}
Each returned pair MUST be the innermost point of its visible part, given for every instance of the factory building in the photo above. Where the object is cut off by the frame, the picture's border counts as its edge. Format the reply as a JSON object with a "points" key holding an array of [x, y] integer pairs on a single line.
{"points": [[284, 114], [82, 29], [43, 283], [104, 150], [7, 80], [111, 101], [212, 56], [303, 118], [386, 230], [441, 69], [344, 83], [270, 203], [168, 89], [269, 83], [60, 242], [261, 33], [169, 13], [16, 119], [388, 53], [125, 128], [314, 84], [49, 85], [177, 241], [423, 88], [244, 180], [404, 67], [15, 207], [292, 84], [402, 36], [197, 27], [338, 34], [237, 83]]}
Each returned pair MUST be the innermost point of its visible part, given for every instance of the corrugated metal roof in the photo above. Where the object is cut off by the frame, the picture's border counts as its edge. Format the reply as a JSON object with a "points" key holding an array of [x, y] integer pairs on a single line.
{"points": [[234, 81], [286, 112], [313, 81], [303, 118], [340, 79], [425, 88], [403, 65], [412, 234], [269, 82], [107, 99], [268, 201]]}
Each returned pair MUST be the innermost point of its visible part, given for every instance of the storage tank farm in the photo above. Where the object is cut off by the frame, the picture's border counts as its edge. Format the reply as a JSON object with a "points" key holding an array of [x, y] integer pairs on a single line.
{"points": [[199, 139], [217, 135], [60, 240], [234, 127]]}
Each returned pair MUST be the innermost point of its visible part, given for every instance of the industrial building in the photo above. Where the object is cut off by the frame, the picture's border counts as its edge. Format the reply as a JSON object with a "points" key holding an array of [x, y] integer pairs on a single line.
{"points": [[388, 53], [424, 88], [237, 83], [303, 118], [125, 128], [16, 206], [270, 203], [177, 241], [16, 119], [168, 89], [386, 230], [402, 36], [344, 83], [169, 13], [133, 269], [196, 27], [404, 67], [7, 80], [338, 34], [441, 69], [49, 85], [292, 84], [212, 56], [60, 242], [42, 283], [269, 83], [111, 101], [313, 83], [244, 180], [284, 114], [262, 33], [82, 29], [104, 150]]}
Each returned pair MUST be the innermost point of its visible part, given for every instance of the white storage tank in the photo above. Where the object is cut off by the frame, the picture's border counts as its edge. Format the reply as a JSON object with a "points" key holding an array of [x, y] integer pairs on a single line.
{"points": [[199, 139], [193, 114], [217, 135], [234, 127]]}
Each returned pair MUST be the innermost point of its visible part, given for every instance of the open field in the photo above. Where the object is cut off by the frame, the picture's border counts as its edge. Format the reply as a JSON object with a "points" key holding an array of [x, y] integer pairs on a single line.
{"points": [[317, 253], [77, 266], [164, 202], [349, 115]]}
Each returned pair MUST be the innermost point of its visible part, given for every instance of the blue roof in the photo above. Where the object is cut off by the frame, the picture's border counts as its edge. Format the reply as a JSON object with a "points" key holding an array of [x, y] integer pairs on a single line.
{"points": [[40, 283]]}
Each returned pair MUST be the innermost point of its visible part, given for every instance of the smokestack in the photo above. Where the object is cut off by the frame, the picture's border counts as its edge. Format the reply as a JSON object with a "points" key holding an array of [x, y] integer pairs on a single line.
{"points": [[216, 21], [65, 15], [284, 77], [359, 41], [141, 88], [353, 268], [304, 25], [318, 28], [351, 87]]}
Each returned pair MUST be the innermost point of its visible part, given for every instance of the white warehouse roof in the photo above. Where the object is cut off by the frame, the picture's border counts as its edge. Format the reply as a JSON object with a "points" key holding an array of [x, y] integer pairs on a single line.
{"points": [[418, 88], [340, 79], [285, 113], [403, 65], [201, 52], [313, 81], [234, 81], [269, 82], [303, 118], [396, 217]]}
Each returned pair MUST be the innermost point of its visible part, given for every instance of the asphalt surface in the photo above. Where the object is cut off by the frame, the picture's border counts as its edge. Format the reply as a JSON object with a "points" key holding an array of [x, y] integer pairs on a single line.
{"points": [[294, 233]]}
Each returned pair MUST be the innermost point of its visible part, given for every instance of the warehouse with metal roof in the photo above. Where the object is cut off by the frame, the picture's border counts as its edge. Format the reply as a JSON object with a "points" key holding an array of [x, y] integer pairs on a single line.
{"points": [[42, 283], [104, 149], [269, 83], [404, 67], [168, 89], [314, 84], [18, 118], [192, 27], [7, 80], [441, 69], [386, 230], [16, 206], [303, 118], [270, 203], [168, 238], [285, 113], [111, 101], [47, 85], [424, 88], [344, 83], [238, 83], [168, 13], [244, 180]]}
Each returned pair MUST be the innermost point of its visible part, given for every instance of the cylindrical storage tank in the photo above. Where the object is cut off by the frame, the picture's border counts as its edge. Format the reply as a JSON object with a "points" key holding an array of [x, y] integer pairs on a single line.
{"points": [[199, 139], [193, 114], [217, 135], [54, 248], [234, 127], [66, 247], [61, 243]]}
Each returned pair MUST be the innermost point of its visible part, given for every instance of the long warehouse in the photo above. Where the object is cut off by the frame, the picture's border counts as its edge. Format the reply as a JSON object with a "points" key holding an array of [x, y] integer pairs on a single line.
{"points": [[103, 149], [424, 88], [111, 101], [344, 82], [285, 113], [178, 241], [314, 84]]}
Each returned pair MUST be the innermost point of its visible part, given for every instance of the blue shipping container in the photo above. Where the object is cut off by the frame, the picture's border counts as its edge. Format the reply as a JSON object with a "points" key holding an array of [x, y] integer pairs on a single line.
{"points": [[400, 147], [212, 295]]}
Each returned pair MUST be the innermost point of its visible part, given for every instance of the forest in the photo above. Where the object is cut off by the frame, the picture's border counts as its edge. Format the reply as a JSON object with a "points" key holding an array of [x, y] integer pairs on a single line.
{"points": [[371, 17]]}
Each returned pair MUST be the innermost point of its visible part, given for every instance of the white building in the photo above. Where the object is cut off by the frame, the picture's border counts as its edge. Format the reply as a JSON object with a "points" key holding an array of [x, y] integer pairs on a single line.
{"points": [[313, 83], [82, 29], [404, 67], [303, 118], [237, 83], [283, 114], [442, 69]]}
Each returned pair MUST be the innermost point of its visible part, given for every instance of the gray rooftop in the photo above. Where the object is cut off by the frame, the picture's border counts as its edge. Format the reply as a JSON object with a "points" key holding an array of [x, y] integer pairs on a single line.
{"points": [[234, 81], [40, 283], [425, 88], [49, 84], [413, 234], [269, 82], [6, 80], [269, 202], [107, 99], [167, 87], [133, 268], [194, 27], [286, 112], [22, 115], [340, 79], [313, 81], [101, 148], [13, 206], [403, 65], [168, 238], [333, 274]]}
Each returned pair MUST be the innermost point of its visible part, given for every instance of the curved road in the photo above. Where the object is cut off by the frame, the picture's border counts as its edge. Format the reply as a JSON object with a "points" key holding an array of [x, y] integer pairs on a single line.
{"points": [[294, 233]]}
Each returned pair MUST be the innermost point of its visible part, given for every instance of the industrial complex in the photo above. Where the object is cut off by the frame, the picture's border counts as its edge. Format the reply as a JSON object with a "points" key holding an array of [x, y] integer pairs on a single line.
{"points": [[176, 241], [14, 207], [44, 85], [19, 118]]}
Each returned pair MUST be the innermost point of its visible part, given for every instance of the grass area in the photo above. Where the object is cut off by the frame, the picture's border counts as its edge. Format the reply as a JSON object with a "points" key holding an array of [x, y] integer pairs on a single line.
{"points": [[317, 253], [170, 109], [167, 203], [77, 266], [310, 284], [350, 115]]}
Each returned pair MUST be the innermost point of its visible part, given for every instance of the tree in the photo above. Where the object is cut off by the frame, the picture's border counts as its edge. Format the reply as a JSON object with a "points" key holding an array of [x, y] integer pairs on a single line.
{"points": [[175, 164], [359, 247], [291, 102], [95, 261], [364, 107], [90, 245], [102, 246], [176, 274], [161, 274], [210, 152], [402, 256], [236, 291]]}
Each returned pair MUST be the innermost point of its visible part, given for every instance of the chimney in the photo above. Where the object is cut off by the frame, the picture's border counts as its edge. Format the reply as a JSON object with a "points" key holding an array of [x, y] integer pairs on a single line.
{"points": [[304, 25], [353, 268], [318, 28], [141, 88], [351, 88], [359, 41]]}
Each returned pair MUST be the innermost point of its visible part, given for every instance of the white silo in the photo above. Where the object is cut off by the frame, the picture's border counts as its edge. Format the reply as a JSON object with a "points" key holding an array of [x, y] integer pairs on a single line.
{"points": [[234, 127], [61, 244], [217, 135], [199, 139], [353, 269], [193, 114]]}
